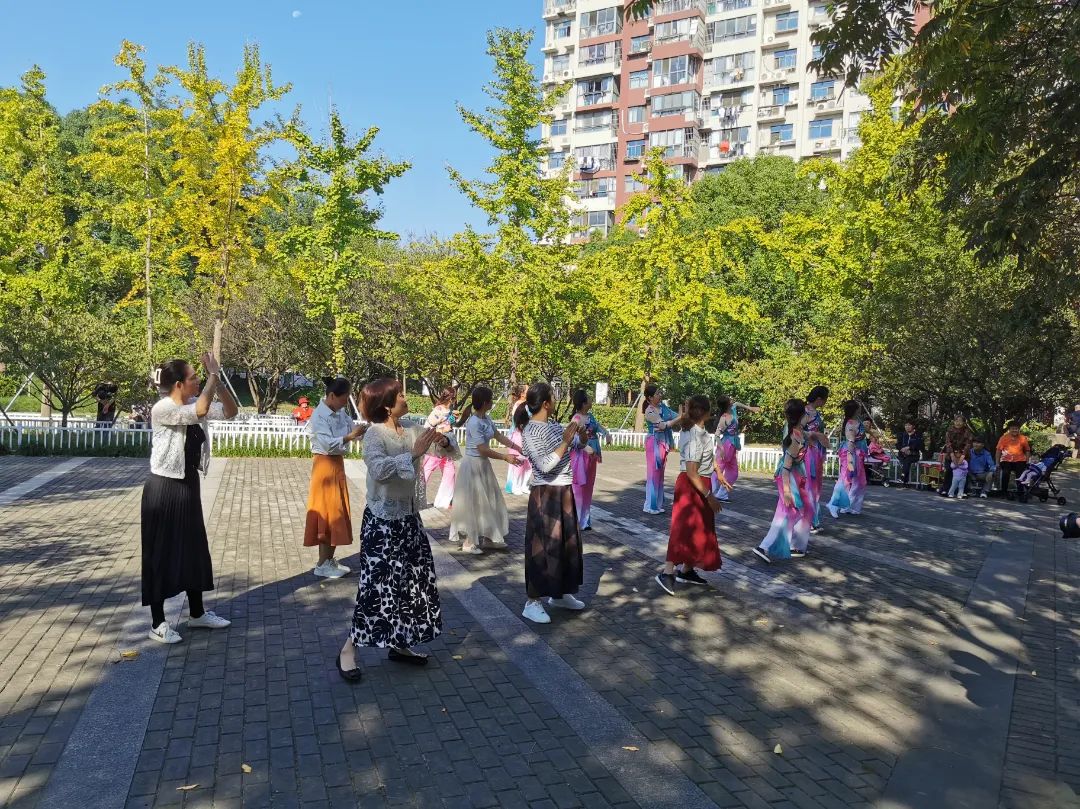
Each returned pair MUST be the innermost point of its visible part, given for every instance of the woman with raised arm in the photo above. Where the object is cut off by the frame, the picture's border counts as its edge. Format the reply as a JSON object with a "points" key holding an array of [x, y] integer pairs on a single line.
{"points": [[658, 443], [817, 448], [847, 496], [728, 444], [175, 549], [789, 533], [397, 600], [518, 476], [479, 516], [441, 418]]}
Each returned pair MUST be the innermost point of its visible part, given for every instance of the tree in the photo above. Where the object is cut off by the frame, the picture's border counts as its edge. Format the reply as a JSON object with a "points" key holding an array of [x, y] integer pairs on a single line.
{"points": [[765, 188], [222, 184], [339, 177]]}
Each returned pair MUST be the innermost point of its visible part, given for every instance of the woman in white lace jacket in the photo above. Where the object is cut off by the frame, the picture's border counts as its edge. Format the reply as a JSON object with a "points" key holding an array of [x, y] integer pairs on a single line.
{"points": [[397, 600], [175, 551]]}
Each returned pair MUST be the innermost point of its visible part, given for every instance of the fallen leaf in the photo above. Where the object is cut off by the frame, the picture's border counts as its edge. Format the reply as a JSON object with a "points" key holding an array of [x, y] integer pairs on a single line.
{"points": [[631, 748], [245, 767], [188, 788], [129, 655], [459, 657], [778, 749]]}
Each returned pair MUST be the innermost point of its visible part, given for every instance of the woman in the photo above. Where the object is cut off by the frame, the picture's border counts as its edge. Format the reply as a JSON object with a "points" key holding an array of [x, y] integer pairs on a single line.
{"points": [[847, 496], [518, 475], [789, 533], [958, 438], [692, 541], [329, 515], [397, 601], [479, 514], [728, 444], [441, 418], [585, 454], [553, 558], [658, 443], [175, 550], [817, 448]]}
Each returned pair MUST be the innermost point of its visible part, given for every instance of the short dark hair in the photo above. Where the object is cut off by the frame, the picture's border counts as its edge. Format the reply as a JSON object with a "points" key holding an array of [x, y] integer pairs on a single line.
{"points": [[723, 404], [482, 396], [1014, 423], [697, 407], [337, 385], [378, 397], [447, 396], [817, 392], [580, 398], [169, 374]]}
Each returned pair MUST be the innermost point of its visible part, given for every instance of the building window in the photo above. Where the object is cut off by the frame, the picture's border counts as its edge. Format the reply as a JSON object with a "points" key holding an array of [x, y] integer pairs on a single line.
{"points": [[556, 160], [596, 91], [639, 79], [635, 115], [600, 23], [782, 60], [738, 135], [676, 103], [734, 28], [781, 96], [635, 149], [632, 184], [674, 142], [592, 121], [823, 90], [560, 64], [558, 127], [787, 22], [640, 44], [675, 70], [816, 52], [675, 30], [599, 219], [821, 128], [782, 133], [722, 6], [738, 67], [561, 29]]}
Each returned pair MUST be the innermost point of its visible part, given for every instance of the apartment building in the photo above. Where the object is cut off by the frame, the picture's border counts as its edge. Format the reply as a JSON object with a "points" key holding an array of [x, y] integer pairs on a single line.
{"points": [[708, 81]]}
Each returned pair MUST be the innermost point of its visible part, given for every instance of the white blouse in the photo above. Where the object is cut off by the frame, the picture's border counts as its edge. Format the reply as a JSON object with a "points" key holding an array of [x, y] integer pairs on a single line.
{"points": [[328, 430], [395, 485], [170, 422], [697, 444]]}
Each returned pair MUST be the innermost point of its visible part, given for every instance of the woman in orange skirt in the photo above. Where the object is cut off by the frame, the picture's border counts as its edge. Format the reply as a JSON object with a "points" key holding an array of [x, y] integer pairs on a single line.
{"points": [[692, 542], [329, 517]]}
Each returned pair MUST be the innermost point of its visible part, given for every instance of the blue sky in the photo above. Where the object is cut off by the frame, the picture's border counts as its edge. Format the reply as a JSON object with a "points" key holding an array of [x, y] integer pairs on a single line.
{"points": [[398, 65]]}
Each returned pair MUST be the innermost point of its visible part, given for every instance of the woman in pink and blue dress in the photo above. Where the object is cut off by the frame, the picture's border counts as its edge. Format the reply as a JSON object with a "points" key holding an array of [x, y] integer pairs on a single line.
{"points": [[518, 476], [847, 496], [817, 448], [728, 444], [585, 454], [441, 418], [658, 443], [789, 532]]}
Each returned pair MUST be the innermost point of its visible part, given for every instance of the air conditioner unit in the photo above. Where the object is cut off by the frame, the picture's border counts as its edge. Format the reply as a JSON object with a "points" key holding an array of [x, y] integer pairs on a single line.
{"points": [[818, 144], [769, 38], [547, 77], [821, 106], [565, 73], [834, 142]]}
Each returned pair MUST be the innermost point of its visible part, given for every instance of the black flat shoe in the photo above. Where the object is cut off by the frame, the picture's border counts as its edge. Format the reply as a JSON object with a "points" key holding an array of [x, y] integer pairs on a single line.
{"points": [[411, 659], [352, 675]]}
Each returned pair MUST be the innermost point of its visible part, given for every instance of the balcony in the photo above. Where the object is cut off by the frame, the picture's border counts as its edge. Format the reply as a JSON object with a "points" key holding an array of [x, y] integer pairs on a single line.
{"points": [[776, 5], [609, 128], [734, 152], [556, 8], [641, 46], [851, 136], [606, 62], [678, 6], [597, 99], [730, 78], [602, 30], [607, 192], [591, 165], [692, 116], [697, 38], [772, 113], [726, 117], [776, 141]]}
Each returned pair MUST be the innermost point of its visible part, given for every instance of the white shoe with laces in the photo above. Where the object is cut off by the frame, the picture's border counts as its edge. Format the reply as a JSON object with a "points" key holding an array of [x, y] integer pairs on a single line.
{"points": [[163, 633], [330, 570], [209, 620], [340, 567], [566, 602], [536, 613]]}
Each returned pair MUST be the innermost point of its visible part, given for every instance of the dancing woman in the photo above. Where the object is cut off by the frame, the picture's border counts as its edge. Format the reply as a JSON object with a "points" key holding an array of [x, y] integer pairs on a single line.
{"points": [[847, 496], [658, 443], [692, 541], [329, 514], [728, 444], [479, 516], [789, 533], [397, 600], [817, 448], [441, 418], [553, 557], [585, 454], [518, 475], [175, 550]]}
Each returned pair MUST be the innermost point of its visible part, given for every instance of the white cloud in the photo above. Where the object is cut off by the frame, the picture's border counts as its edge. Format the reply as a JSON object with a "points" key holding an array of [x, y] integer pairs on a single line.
{"points": [[296, 14]]}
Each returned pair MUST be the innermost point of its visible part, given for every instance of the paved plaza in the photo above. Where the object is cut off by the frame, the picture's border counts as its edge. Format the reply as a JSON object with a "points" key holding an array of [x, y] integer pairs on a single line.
{"points": [[926, 654]]}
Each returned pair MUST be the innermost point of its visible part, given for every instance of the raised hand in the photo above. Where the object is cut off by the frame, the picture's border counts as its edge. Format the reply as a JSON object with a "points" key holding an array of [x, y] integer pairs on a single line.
{"points": [[423, 441]]}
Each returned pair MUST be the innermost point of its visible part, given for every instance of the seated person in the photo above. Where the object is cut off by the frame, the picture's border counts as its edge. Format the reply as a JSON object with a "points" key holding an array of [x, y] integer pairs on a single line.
{"points": [[302, 413], [909, 447], [981, 468], [1013, 452]]}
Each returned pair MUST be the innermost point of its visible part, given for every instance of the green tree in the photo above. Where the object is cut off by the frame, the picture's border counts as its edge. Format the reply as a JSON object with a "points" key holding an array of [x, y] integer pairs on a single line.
{"points": [[764, 188]]}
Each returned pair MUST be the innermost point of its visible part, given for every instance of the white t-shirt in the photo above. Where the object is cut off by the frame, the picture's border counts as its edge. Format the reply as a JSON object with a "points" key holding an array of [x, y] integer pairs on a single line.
{"points": [[697, 444]]}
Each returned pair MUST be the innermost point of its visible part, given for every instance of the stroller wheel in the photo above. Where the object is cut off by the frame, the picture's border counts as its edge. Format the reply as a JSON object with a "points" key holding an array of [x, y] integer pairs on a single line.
{"points": [[1061, 501], [885, 484]]}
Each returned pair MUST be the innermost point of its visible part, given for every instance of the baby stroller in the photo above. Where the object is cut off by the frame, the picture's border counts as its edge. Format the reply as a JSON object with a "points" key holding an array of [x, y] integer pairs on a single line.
{"points": [[1037, 478], [879, 469]]}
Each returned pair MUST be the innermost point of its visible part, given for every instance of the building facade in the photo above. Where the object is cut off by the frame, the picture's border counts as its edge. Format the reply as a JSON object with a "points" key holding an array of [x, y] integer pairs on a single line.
{"points": [[708, 81]]}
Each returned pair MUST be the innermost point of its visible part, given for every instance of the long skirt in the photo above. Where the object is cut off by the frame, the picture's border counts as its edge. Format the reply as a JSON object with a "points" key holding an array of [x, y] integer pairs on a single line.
{"points": [[656, 452], [518, 478], [554, 564], [479, 508], [727, 464], [397, 601], [329, 516], [693, 529], [790, 527], [815, 471], [847, 495], [445, 496], [583, 465], [175, 551]]}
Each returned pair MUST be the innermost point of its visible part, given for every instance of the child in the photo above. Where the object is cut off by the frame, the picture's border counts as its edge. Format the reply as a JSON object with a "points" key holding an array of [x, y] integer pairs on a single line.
{"points": [[442, 419], [981, 467], [585, 454], [959, 475], [875, 449]]}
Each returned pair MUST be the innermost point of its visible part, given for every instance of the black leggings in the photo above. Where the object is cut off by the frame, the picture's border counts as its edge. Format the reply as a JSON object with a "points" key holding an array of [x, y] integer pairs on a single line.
{"points": [[157, 609]]}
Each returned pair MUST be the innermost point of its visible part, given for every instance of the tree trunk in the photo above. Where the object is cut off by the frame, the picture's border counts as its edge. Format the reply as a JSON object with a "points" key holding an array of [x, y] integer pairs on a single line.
{"points": [[253, 388]]}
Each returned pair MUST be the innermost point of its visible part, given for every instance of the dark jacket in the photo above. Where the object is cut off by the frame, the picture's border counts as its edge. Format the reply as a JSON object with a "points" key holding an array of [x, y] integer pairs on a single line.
{"points": [[914, 442], [1072, 426]]}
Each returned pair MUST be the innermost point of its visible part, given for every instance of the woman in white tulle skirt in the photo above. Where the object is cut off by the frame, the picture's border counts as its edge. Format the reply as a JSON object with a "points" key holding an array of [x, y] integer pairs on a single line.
{"points": [[479, 515]]}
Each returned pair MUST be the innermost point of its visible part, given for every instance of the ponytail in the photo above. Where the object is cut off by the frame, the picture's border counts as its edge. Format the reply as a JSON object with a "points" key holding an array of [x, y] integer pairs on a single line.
{"points": [[794, 411], [650, 391], [534, 400]]}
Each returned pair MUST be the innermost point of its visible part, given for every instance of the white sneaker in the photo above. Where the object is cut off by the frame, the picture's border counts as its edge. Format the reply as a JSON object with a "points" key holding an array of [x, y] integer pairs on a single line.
{"points": [[163, 633], [329, 570], [567, 602], [833, 511], [653, 511], [338, 566], [209, 620], [536, 613], [982, 495], [468, 547]]}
